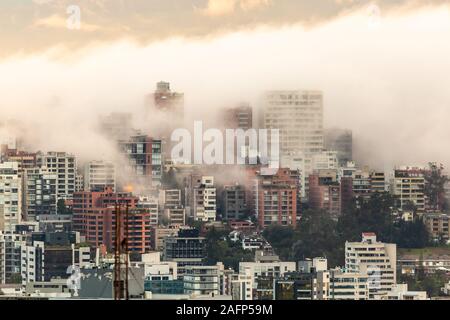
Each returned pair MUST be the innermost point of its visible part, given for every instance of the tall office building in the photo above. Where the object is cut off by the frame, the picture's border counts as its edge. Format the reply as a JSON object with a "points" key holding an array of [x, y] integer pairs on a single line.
{"points": [[10, 195], [65, 166], [299, 117], [340, 140], [99, 175]]}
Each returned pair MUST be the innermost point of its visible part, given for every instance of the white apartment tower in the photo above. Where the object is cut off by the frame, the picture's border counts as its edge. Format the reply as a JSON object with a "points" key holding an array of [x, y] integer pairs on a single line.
{"points": [[205, 200], [10, 195], [65, 166], [99, 175], [376, 259], [299, 117]]}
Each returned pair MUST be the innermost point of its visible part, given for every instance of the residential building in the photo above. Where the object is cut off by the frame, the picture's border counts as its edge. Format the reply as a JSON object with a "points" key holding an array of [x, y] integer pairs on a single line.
{"points": [[348, 285], [376, 259], [205, 208], [187, 249], [437, 226], [204, 280], [144, 161], [41, 193], [275, 197], [159, 233], [407, 185], [325, 192], [10, 195], [234, 202], [99, 175], [64, 165]]}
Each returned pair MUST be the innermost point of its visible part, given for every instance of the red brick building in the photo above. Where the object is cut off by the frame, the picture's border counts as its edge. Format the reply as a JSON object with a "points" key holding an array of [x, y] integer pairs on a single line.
{"points": [[324, 193], [94, 217], [276, 194]]}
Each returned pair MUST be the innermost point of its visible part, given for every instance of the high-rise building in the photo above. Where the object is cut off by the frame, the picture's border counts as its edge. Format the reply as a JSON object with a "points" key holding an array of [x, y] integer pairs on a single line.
{"points": [[65, 166], [240, 117], [407, 185], [299, 117], [40, 192], [376, 259], [94, 216], [275, 195], [166, 100], [234, 202], [144, 161], [99, 175], [10, 255], [32, 262], [10, 195], [165, 104], [340, 140], [205, 207], [325, 192]]}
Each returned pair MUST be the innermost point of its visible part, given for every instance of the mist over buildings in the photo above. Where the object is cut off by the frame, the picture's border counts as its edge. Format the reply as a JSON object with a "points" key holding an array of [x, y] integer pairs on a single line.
{"points": [[384, 82]]}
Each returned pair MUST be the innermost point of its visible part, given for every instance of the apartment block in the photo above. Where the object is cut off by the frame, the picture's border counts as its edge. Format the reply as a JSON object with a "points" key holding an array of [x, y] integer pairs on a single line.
{"points": [[437, 225], [10, 195], [144, 160], [205, 207], [376, 259], [325, 192], [64, 165], [275, 196], [99, 175], [407, 185], [187, 249]]}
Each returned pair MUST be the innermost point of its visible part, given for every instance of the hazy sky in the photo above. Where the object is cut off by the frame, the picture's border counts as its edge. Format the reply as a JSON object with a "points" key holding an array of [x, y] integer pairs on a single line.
{"points": [[383, 66]]}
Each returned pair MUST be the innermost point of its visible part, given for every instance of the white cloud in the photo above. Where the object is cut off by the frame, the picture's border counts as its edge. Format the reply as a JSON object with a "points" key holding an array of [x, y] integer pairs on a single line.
{"points": [[226, 7]]}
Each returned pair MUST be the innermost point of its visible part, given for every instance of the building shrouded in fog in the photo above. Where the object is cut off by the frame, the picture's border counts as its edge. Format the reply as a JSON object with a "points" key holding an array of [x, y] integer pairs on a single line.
{"points": [[144, 159], [99, 175], [240, 117], [340, 140], [299, 117]]}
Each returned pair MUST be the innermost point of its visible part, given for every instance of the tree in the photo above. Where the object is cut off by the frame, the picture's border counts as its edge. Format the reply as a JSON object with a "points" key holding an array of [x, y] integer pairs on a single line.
{"points": [[435, 182]]}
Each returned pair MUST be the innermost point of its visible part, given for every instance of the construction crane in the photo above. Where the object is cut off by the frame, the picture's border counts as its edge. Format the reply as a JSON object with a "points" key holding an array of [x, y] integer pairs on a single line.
{"points": [[121, 254]]}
